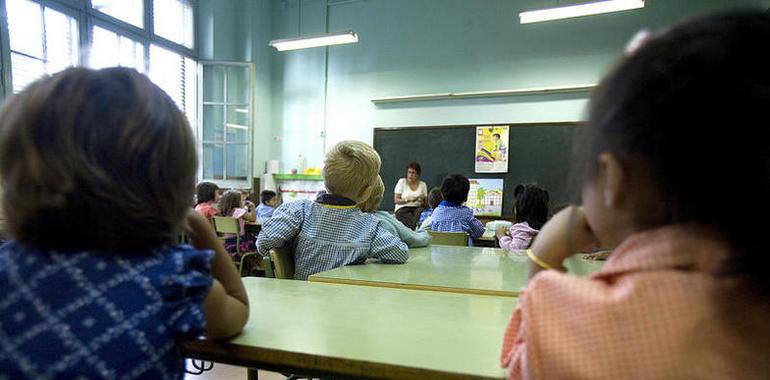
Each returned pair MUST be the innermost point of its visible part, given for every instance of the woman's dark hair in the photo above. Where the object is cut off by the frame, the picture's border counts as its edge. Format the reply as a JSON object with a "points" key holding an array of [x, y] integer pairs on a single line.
{"points": [[206, 192], [455, 188], [230, 199], [95, 160], [266, 195], [416, 166], [690, 107], [531, 205], [435, 197]]}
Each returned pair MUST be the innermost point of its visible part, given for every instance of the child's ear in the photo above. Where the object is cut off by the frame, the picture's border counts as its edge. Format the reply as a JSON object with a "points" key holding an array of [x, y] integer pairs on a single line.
{"points": [[364, 193], [612, 178]]}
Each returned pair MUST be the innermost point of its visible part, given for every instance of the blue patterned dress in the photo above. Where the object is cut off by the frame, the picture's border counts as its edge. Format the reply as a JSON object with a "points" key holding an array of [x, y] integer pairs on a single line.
{"points": [[83, 315]]}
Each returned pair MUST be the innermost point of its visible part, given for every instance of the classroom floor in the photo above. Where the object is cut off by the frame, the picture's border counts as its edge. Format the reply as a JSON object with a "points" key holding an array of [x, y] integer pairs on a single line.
{"points": [[228, 372]]}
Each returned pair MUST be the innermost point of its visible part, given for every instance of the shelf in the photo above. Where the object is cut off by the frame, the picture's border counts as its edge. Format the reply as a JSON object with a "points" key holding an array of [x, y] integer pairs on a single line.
{"points": [[301, 177]]}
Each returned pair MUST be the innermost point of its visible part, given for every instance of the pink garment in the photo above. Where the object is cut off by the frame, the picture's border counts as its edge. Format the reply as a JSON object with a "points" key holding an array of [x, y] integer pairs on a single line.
{"points": [[207, 210], [238, 214], [519, 236], [649, 313]]}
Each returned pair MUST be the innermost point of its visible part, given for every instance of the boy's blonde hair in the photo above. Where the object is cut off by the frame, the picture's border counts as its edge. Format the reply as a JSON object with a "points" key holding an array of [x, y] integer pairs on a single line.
{"points": [[350, 168], [375, 198]]}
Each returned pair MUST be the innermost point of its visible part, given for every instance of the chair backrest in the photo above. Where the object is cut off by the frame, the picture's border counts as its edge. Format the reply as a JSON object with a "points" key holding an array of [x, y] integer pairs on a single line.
{"points": [[283, 262], [449, 238], [226, 225]]}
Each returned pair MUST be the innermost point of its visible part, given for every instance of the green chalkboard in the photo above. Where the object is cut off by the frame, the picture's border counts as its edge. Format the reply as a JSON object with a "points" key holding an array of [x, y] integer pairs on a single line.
{"points": [[539, 152]]}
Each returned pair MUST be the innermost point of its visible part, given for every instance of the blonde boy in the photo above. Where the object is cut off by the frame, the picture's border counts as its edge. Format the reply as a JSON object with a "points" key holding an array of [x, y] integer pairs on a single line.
{"points": [[331, 231]]}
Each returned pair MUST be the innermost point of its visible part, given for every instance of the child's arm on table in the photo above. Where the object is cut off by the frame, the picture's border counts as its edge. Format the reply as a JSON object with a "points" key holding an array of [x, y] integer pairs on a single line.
{"points": [[564, 235], [226, 305]]}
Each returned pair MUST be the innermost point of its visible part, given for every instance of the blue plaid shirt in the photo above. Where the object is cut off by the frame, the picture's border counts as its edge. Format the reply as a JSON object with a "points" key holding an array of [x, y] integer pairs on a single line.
{"points": [[99, 315], [329, 233], [450, 217]]}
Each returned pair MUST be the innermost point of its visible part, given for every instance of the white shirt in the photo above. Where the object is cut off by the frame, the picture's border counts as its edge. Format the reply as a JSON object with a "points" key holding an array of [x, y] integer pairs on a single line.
{"points": [[406, 192]]}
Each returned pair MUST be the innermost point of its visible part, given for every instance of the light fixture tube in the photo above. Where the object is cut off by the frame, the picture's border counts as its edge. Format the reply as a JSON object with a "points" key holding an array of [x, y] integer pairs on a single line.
{"points": [[236, 126], [579, 10], [315, 41]]}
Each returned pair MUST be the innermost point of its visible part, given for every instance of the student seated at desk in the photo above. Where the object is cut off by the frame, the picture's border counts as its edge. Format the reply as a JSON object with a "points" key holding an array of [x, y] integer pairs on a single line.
{"points": [[531, 211], [231, 204], [686, 292], [206, 198], [97, 170], [413, 239], [434, 198], [331, 231], [451, 215], [268, 203]]}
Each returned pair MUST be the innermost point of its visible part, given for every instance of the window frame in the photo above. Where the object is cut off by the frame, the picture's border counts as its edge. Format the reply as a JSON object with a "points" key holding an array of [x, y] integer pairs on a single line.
{"points": [[87, 17], [224, 182]]}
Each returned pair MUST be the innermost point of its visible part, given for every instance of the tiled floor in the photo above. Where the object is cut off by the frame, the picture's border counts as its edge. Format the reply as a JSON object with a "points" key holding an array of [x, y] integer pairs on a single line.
{"points": [[228, 372]]}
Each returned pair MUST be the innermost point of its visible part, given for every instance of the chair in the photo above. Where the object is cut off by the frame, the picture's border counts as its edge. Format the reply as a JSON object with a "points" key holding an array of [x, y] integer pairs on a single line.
{"points": [[449, 238], [230, 225], [282, 262]]}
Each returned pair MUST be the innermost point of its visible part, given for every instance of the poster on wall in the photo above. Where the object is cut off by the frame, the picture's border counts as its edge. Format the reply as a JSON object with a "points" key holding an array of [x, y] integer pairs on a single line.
{"points": [[492, 149], [486, 196]]}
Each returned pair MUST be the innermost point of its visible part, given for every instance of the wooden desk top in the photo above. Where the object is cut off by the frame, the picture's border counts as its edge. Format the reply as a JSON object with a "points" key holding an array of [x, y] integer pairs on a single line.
{"points": [[363, 331], [474, 270]]}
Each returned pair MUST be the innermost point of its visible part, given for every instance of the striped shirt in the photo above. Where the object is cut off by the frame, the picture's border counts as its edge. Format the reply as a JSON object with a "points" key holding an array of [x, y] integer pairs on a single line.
{"points": [[329, 233], [448, 217]]}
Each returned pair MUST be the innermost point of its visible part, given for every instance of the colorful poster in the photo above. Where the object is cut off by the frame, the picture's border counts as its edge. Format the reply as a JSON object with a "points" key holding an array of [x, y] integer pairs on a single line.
{"points": [[492, 149], [486, 196]]}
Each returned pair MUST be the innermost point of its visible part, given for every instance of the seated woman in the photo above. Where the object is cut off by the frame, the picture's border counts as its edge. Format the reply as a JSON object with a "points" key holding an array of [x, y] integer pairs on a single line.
{"points": [[410, 195], [413, 239], [231, 204]]}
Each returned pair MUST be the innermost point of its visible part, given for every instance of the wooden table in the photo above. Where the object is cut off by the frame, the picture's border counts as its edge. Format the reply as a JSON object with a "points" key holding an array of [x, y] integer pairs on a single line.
{"points": [[474, 270], [365, 332]]}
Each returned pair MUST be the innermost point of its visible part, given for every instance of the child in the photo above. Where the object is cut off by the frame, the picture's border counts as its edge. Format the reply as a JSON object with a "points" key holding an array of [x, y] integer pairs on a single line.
{"points": [[413, 239], [451, 215], [434, 198], [685, 292], [97, 170], [206, 197], [231, 204], [332, 231], [269, 202], [531, 210]]}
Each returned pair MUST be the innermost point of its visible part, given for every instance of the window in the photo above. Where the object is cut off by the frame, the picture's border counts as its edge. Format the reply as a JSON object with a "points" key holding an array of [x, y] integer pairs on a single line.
{"points": [[111, 49], [43, 41], [130, 11], [173, 20], [226, 122], [176, 75]]}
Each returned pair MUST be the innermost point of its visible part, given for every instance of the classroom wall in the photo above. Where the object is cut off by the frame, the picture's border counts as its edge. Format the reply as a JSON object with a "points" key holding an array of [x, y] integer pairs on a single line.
{"points": [[410, 47], [239, 30]]}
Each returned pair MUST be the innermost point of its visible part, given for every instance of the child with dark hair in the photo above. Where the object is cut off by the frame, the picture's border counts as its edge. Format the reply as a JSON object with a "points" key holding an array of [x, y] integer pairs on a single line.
{"points": [[231, 204], [268, 203], [434, 198], [531, 211], [206, 199], [451, 215], [686, 292], [97, 170]]}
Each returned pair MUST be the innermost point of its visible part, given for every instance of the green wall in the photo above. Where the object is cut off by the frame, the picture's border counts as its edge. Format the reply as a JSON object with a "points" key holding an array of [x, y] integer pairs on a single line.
{"points": [[410, 47]]}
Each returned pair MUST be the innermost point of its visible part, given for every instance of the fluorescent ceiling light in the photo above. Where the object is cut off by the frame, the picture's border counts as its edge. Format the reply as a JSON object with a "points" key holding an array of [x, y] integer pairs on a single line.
{"points": [[236, 126], [241, 110], [315, 41], [579, 10]]}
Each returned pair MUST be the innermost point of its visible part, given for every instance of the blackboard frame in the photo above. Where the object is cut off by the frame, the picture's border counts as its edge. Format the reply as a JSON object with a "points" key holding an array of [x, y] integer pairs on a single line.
{"points": [[539, 152]]}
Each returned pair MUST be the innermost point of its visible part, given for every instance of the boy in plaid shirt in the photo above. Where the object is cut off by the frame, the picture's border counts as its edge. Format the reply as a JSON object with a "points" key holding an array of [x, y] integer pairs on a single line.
{"points": [[331, 231]]}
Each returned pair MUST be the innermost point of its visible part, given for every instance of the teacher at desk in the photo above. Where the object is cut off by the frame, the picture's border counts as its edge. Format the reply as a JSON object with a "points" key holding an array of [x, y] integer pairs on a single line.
{"points": [[410, 195]]}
